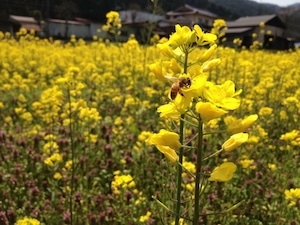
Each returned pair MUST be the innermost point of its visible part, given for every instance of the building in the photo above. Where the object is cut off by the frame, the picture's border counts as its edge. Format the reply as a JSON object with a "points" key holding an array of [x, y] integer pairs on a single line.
{"points": [[267, 29], [186, 15], [138, 23], [28, 23]]}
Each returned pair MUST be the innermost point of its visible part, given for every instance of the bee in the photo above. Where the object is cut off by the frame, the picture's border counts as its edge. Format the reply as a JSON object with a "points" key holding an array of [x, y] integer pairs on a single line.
{"points": [[178, 84]]}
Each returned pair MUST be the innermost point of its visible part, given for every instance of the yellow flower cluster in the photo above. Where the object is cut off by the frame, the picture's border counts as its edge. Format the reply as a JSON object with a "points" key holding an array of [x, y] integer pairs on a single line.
{"points": [[219, 26], [293, 137], [121, 183], [293, 196], [113, 22], [145, 218], [28, 221], [56, 157]]}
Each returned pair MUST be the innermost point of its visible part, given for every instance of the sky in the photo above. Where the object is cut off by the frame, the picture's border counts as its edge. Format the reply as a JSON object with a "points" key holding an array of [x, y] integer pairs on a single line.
{"points": [[279, 2]]}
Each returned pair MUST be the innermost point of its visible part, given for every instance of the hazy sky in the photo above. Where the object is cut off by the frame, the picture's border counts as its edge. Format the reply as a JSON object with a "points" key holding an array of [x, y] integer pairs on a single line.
{"points": [[279, 2]]}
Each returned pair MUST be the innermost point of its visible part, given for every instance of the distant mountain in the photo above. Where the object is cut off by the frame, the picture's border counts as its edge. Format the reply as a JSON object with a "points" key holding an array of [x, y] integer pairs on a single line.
{"points": [[247, 7], [289, 15]]}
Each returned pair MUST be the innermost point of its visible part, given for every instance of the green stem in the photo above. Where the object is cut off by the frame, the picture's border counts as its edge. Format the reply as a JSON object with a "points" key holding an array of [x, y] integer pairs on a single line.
{"points": [[179, 172], [213, 154], [72, 157], [198, 173], [180, 157], [152, 22]]}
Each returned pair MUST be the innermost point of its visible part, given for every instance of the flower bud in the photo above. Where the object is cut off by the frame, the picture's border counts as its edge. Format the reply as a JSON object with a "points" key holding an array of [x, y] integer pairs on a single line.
{"points": [[235, 141], [208, 53], [242, 125], [208, 65]]}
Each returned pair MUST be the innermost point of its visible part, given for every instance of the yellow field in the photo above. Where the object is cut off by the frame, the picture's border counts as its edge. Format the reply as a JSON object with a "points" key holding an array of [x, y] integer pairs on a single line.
{"points": [[75, 118]]}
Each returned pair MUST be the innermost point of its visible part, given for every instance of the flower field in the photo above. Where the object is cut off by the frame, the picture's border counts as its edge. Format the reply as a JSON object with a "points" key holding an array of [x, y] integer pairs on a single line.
{"points": [[75, 122]]}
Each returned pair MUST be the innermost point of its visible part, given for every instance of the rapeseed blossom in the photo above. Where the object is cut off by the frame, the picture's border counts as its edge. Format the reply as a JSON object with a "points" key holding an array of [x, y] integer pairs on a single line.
{"points": [[145, 218], [113, 23], [241, 125], [235, 141], [223, 173], [209, 111], [166, 142], [246, 163], [182, 42], [28, 221], [293, 137], [122, 183], [293, 196], [223, 96]]}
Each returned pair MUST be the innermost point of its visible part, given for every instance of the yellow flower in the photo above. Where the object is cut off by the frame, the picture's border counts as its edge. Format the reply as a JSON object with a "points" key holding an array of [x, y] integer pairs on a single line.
{"points": [[122, 182], [28, 221], [235, 141], [208, 53], [272, 166], [241, 125], [293, 195], [181, 222], [145, 218], [48, 161], [158, 71], [289, 136], [246, 163], [189, 166], [209, 111], [56, 157], [173, 66], [26, 116], [165, 138], [168, 152], [223, 173], [182, 36], [57, 176], [265, 111], [208, 65], [169, 111], [219, 26], [168, 51], [166, 142], [204, 38], [198, 82], [222, 95], [113, 22], [68, 164], [182, 102]]}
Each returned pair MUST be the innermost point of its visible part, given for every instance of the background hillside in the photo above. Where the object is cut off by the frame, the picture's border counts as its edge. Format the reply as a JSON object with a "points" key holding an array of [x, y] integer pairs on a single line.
{"points": [[96, 10]]}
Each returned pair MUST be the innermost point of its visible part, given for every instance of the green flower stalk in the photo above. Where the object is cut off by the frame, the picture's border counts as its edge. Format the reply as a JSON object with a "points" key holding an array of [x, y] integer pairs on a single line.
{"points": [[113, 24]]}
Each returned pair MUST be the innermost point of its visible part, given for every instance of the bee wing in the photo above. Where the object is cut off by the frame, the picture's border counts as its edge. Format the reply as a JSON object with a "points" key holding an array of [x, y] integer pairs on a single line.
{"points": [[171, 78]]}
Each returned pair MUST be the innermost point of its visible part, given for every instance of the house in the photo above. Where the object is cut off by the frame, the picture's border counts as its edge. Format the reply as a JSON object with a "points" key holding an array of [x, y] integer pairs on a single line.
{"points": [[29, 23], [268, 29], [57, 28], [65, 28], [189, 16], [138, 23]]}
